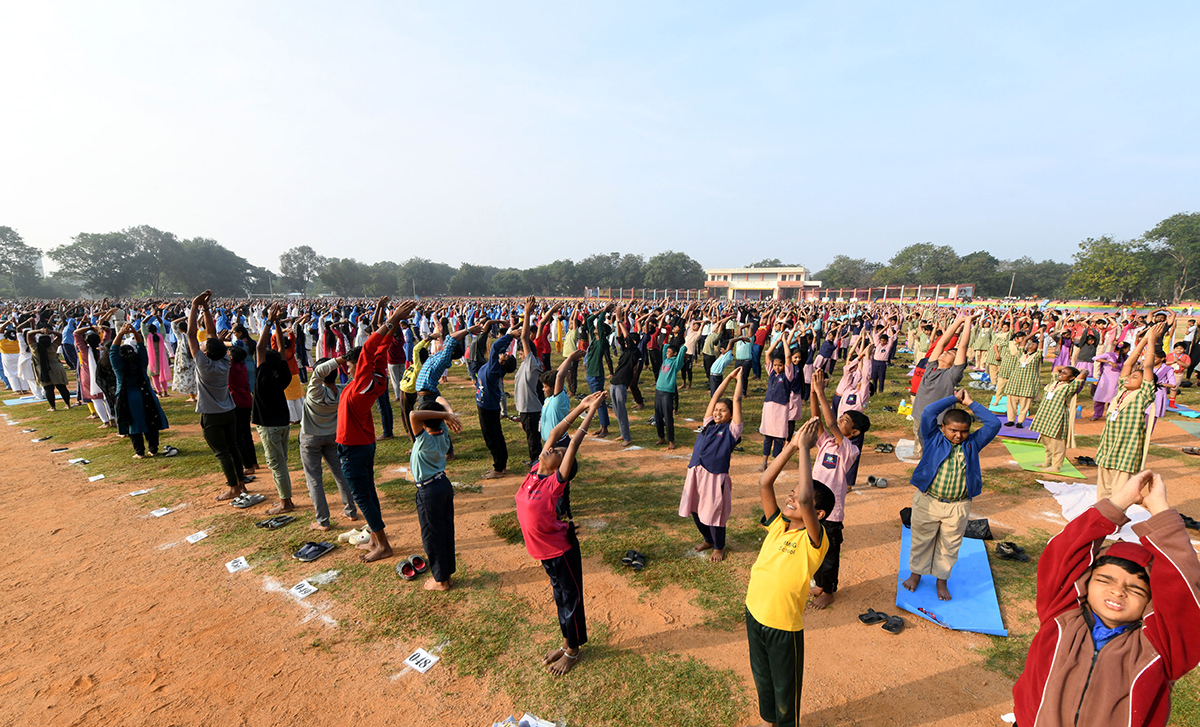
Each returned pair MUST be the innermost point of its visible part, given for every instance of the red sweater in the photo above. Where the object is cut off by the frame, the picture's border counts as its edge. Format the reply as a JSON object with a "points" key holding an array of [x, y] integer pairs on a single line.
{"points": [[355, 424], [1066, 682]]}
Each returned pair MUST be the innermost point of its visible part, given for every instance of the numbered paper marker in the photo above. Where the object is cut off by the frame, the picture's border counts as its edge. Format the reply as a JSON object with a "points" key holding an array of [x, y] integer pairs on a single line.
{"points": [[135, 493], [161, 511], [94, 478], [421, 660], [196, 537], [237, 564], [303, 589]]}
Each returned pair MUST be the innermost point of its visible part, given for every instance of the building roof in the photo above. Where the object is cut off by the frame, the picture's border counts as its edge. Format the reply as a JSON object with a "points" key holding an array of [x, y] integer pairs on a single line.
{"points": [[724, 271]]}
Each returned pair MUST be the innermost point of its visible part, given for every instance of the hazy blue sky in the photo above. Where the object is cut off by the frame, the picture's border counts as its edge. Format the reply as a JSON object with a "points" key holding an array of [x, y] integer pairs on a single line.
{"points": [[514, 133]]}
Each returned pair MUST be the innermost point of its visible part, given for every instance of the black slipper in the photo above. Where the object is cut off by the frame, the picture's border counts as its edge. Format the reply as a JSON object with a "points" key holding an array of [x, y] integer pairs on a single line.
{"points": [[311, 551], [1011, 551], [893, 625], [628, 559], [872, 617], [639, 561], [1190, 523]]}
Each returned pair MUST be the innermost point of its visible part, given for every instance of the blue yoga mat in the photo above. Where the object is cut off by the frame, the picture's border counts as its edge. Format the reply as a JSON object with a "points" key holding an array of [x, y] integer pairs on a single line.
{"points": [[22, 400], [1185, 411], [974, 607]]}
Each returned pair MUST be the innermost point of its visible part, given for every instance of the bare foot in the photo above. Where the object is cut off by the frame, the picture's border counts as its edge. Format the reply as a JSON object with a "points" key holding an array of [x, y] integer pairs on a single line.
{"points": [[823, 600], [815, 591], [552, 656], [377, 552], [319, 526], [660, 442], [602, 433], [432, 585], [248, 471], [282, 507], [627, 443], [139, 456], [671, 445], [716, 556], [230, 493], [353, 518], [912, 582], [703, 547], [943, 591], [565, 663]]}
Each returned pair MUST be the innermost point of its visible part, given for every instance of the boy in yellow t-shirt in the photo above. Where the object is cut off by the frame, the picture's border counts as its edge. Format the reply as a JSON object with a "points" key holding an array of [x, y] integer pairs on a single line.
{"points": [[779, 581]]}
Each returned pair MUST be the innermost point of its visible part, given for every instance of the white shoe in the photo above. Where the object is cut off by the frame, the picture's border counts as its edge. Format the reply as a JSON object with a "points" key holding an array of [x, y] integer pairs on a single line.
{"points": [[362, 538], [345, 537]]}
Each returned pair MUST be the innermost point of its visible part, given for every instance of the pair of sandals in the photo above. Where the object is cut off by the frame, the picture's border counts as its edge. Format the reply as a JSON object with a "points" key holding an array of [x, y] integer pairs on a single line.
{"points": [[874, 481], [1190, 523], [311, 551], [276, 522], [885, 448], [891, 624], [634, 560], [1191, 450], [1084, 461], [1009, 550], [411, 567], [246, 500]]}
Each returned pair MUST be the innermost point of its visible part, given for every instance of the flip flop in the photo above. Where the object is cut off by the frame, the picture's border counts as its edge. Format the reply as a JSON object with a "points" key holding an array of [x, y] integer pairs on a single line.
{"points": [[1191, 450], [170, 451], [276, 522], [419, 564], [893, 625], [639, 561], [244, 500], [248, 478], [311, 551], [872, 617], [405, 570], [628, 559], [1190, 523]]}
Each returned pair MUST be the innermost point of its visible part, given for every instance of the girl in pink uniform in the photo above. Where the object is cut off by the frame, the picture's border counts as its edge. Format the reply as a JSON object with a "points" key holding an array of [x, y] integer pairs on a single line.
{"points": [[708, 490]]}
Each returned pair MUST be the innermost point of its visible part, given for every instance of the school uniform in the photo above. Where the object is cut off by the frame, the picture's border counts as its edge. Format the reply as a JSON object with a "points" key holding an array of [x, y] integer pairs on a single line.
{"points": [[774, 426], [435, 501], [544, 513], [834, 466], [1123, 441], [664, 395], [1023, 381], [775, 600], [1055, 421], [707, 488]]}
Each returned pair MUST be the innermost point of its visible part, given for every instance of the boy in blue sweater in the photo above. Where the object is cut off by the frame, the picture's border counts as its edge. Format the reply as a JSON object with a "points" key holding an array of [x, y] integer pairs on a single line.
{"points": [[946, 478]]}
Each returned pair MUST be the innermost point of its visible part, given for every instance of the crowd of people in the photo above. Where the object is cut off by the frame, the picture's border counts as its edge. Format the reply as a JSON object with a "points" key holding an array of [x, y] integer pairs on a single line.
{"points": [[329, 365]]}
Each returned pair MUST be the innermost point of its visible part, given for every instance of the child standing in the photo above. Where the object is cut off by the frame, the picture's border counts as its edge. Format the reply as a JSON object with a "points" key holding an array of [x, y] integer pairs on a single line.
{"points": [[1055, 418], [1023, 382], [708, 490], [1122, 442], [435, 494], [774, 425], [791, 552], [1105, 653], [946, 478], [665, 391]]}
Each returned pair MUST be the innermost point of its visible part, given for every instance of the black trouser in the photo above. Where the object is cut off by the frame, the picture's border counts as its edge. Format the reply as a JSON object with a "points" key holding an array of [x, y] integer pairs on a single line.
{"points": [[493, 437], [245, 442], [878, 376], [435, 513], [744, 363], [714, 383], [826, 576], [140, 441], [407, 402], [546, 361], [220, 433], [777, 663], [664, 415], [566, 578], [714, 535], [573, 377], [530, 421], [686, 370], [1194, 353], [773, 445], [708, 362], [634, 389], [62, 389], [385, 413]]}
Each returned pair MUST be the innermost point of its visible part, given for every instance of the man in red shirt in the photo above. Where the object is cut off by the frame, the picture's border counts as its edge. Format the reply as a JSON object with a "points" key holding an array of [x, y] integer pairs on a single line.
{"points": [[367, 367]]}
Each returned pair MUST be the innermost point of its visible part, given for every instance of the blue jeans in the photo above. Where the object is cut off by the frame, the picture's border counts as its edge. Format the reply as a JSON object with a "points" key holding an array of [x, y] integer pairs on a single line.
{"points": [[756, 360], [358, 467], [596, 383], [385, 413]]}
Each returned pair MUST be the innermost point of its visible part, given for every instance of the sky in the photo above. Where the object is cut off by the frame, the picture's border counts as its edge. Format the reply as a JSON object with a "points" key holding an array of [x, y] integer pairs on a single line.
{"points": [[513, 134]]}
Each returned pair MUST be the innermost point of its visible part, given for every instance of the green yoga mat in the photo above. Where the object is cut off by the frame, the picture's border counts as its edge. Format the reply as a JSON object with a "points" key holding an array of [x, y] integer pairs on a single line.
{"points": [[1030, 456]]}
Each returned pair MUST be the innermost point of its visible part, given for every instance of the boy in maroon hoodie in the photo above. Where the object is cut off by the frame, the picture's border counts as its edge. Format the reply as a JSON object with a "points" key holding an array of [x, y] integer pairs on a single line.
{"points": [[1107, 653]]}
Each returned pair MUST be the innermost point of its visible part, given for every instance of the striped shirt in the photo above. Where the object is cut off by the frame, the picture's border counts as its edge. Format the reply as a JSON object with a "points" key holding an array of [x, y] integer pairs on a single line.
{"points": [[1124, 435], [435, 366]]}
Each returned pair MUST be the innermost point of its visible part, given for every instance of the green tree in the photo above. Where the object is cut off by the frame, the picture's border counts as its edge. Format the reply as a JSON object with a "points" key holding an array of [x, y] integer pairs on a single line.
{"points": [[203, 263], [980, 269], [418, 276], [1178, 239], [673, 270], [106, 263], [631, 272], [771, 262], [382, 279], [469, 280], [848, 272], [509, 281], [921, 264], [20, 265], [345, 276], [1110, 270], [159, 256], [302, 264]]}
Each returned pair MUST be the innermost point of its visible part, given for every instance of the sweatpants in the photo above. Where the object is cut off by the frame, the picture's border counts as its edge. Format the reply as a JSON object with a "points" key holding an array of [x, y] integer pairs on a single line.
{"points": [[826, 577], [140, 441], [635, 387], [358, 466], [530, 422], [664, 414], [708, 362], [714, 535], [616, 394], [566, 579], [493, 437], [220, 433], [777, 663], [435, 514], [313, 449], [275, 445]]}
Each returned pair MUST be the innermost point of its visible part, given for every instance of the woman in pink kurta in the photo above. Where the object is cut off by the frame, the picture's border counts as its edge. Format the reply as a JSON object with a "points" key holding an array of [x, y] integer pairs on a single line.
{"points": [[1108, 371], [708, 490]]}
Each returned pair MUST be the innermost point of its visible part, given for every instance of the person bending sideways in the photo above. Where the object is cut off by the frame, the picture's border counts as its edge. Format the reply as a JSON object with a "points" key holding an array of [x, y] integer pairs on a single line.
{"points": [[946, 478], [1118, 626], [544, 513], [791, 552]]}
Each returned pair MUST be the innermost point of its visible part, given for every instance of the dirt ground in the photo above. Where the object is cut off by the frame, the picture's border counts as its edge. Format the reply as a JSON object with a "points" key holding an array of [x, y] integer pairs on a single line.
{"points": [[110, 618]]}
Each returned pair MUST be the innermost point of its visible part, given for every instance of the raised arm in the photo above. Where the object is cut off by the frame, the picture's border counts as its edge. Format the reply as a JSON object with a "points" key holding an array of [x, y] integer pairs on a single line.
{"points": [[821, 410], [594, 402], [193, 315], [526, 341]]}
